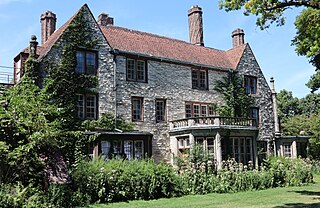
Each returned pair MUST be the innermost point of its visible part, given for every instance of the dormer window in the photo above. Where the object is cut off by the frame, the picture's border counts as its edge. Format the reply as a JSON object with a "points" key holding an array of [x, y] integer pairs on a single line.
{"points": [[86, 62]]}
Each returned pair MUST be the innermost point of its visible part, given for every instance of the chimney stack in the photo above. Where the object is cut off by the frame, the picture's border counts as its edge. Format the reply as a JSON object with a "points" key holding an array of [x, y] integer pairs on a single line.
{"points": [[105, 20], [33, 47], [237, 37], [275, 108], [48, 25], [195, 25]]}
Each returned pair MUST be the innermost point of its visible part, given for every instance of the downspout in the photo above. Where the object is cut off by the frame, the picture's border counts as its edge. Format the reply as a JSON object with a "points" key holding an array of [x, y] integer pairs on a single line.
{"points": [[115, 53]]}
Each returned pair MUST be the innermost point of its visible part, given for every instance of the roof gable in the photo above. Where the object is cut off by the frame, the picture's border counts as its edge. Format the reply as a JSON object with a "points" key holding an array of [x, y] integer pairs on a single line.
{"points": [[46, 47], [151, 45]]}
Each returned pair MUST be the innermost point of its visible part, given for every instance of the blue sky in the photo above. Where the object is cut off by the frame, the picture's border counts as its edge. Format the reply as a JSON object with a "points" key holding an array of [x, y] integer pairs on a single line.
{"points": [[19, 19]]}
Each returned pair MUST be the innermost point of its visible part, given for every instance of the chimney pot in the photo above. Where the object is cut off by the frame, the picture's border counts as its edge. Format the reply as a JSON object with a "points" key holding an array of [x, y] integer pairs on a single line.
{"points": [[105, 20], [48, 25], [237, 37], [195, 25]]}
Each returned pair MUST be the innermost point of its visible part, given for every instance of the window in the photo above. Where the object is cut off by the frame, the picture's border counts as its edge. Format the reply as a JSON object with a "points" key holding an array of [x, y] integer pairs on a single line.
{"points": [[86, 62], [137, 109], [250, 84], [254, 114], [242, 149], [261, 151], [127, 149], [183, 144], [207, 143], [199, 79], [87, 106], [199, 109], [160, 110], [287, 149], [136, 70]]}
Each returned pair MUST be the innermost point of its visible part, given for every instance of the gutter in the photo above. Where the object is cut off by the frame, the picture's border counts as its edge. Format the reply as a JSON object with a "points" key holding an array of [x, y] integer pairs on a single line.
{"points": [[116, 51]]}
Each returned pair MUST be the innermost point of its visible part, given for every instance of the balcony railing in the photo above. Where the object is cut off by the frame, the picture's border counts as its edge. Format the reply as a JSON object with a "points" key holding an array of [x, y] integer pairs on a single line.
{"points": [[213, 121], [6, 78]]}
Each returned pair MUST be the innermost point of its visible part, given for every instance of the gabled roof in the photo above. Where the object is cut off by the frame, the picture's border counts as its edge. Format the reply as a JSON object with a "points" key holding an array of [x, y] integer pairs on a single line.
{"points": [[148, 44], [134, 41]]}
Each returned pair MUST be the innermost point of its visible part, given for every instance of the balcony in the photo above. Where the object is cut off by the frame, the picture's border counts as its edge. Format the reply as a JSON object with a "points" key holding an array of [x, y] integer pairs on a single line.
{"points": [[6, 78], [209, 122]]}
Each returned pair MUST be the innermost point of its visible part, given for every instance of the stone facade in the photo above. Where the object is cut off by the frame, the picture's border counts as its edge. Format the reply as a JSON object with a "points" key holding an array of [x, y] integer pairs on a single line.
{"points": [[170, 78]]}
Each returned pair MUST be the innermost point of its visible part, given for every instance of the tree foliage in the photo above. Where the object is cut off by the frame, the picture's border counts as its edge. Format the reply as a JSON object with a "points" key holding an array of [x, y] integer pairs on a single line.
{"points": [[237, 102], [307, 39], [287, 104], [301, 115]]}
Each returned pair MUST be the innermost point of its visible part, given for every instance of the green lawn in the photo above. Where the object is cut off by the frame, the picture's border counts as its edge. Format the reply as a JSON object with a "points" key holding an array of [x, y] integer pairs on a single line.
{"points": [[288, 197]]}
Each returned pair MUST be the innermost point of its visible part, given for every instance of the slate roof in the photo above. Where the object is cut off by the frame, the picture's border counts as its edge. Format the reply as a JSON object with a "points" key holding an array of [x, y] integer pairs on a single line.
{"points": [[148, 44]]}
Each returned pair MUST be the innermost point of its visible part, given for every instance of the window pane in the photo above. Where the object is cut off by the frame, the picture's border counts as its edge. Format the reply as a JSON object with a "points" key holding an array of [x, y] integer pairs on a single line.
{"points": [[188, 111], [105, 149], [141, 71], [131, 69], [117, 149], [287, 149], [138, 150], [202, 80], [210, 146], [80, 68], [91, 63], [195, 79], [253, 85], [160, 110], [128, 149], [250, 84], [196, 110], [90, 107], [199, 141], [137, 109], [203, 110], [80, 106], [211, 110]]}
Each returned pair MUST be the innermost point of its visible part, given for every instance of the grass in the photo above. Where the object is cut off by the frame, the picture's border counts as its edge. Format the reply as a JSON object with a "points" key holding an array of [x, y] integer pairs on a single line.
{"points": [[287, 197]]}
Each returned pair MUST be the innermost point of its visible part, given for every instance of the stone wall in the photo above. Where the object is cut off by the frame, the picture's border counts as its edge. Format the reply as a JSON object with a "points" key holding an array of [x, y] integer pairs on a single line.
{"points": [[166, 81], [105, 62], [248, 65]]}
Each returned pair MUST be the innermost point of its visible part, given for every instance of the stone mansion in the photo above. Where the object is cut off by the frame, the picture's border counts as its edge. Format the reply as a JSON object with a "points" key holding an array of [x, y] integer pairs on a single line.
{"points": [[165, 87]]}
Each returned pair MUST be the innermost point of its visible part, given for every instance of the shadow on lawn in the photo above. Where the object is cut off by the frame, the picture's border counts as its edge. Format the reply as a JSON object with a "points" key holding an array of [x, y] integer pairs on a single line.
{"points": [[310, 193], [298, 205]]}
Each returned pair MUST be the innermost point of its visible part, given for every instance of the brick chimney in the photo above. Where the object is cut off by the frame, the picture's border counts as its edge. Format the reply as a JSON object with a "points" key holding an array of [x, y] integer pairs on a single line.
{"points": [[105, 20], [237, 37], [195, 25], [48, 25]]}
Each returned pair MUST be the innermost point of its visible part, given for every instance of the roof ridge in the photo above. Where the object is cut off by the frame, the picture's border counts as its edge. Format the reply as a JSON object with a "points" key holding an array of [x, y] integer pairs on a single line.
{"points": [[158, 36]]}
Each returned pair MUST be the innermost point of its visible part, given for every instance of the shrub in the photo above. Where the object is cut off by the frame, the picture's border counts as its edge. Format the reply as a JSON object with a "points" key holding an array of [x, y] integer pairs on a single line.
{"points": [[289, 172], [234, 177], [16, 196], [118, 180]]}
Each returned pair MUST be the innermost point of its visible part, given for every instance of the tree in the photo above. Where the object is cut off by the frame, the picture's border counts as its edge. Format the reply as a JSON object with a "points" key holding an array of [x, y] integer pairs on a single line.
{"points": [[288, 105], [310, 104], [307, 39], [237, 102]]}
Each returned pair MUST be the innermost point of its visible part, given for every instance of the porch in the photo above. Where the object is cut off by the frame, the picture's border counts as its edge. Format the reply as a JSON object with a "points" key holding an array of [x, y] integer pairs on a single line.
{"points": [[221, 137]]}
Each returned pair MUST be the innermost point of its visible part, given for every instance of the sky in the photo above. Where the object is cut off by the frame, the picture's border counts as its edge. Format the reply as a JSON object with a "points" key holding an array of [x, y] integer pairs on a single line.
{"points": [[19, 19]]}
